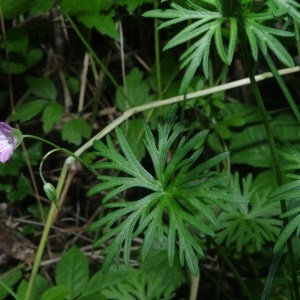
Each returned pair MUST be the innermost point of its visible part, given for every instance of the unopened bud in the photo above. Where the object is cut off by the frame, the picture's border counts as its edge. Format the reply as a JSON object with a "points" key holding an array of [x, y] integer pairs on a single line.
{"points": [[51, 193]]}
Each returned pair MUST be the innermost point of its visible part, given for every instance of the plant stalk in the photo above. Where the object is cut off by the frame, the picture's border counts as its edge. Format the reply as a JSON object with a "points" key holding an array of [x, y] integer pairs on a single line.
{"points": [[274, 154], [283, 87], [157, 55], [40, 251], [52, 212]]}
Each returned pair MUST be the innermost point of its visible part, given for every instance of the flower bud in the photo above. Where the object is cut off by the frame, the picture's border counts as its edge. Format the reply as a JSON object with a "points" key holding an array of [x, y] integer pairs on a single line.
{"points": [[50, 193]]}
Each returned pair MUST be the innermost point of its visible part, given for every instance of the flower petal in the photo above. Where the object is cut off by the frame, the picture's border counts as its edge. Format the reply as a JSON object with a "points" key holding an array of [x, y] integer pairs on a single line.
{"points": [[8, 142]]}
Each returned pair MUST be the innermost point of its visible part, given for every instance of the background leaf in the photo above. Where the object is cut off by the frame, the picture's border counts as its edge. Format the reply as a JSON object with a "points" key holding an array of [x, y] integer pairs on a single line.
{"points": [[42, 87], [56, 293], [29, 110], [9, 279], [51, 114], [72, 271], [137, 91], [75, 130], [39, 287]]}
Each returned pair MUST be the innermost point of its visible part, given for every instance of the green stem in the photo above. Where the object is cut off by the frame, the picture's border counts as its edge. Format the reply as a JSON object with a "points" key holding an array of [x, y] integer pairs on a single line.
{"points": [[40, 251], [283, 87], [194, 286], [234, 270], [66, 151], [297, 34], [42, 163], [53, 208], [157, 69], [274, 155], [157, 56], [94, 55]]}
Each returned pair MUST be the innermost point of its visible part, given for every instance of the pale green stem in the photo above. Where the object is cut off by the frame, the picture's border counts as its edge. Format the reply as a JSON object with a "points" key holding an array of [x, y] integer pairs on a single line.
{"points": [[40, 251], [42, 163], [43, 241], [177, 99], [194, 287], [53, 208], [66, 151]]}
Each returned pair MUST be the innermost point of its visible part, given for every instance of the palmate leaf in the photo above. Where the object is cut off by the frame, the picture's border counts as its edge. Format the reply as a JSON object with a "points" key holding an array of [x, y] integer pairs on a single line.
{"points": [[225, 21], [207, 24], [291, 7], [289, 191], [251, 222], [263, 36], [180, 196]]}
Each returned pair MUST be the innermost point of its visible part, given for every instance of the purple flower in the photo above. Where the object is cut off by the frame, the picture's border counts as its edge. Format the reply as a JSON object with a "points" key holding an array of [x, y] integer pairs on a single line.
{"points": [[8, 142]]}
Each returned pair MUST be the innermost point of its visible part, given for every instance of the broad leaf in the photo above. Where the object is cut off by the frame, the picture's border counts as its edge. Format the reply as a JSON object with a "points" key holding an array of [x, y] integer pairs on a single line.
{"points": [[42, 87], [51, 114], [75, 130], [29, 110], [72, 271]]}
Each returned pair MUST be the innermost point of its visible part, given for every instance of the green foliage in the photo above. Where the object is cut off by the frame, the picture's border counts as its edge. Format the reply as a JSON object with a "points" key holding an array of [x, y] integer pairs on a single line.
{"points": [[11, 8], [152, 280], [180, 189], [56, 293], [45, 93], [51, 115], [134, 136], [290, 7], [232, 115], [75, 130], [137, 91], [7, 281], [72, 271], [165, 191], [19, 190], [250, 139], [14, 184], [95, 14], [251, 221], [222, 20], [40, 285], [208, 24], [22, 54], [42, 87], [290, 190], [29, 110]]}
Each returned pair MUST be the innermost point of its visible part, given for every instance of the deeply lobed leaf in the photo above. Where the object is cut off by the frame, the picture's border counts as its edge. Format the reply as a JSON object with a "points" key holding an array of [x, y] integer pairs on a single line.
{"points": [[179, 196]]}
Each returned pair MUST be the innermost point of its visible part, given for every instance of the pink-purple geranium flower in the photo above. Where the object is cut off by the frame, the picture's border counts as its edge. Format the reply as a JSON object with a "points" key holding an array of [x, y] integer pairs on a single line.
{"points": [[8, 142]]}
